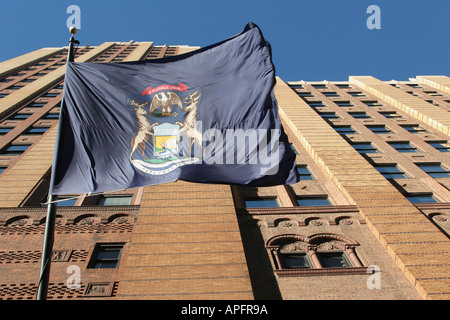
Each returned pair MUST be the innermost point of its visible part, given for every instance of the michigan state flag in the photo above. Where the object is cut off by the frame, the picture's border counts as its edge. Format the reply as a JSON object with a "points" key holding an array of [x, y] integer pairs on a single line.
{"points": [[208, 116]]}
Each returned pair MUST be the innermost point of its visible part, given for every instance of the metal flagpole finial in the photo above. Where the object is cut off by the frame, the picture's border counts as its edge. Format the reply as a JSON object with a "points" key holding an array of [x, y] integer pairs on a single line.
{"points": [[73, 30], [71, 54]]}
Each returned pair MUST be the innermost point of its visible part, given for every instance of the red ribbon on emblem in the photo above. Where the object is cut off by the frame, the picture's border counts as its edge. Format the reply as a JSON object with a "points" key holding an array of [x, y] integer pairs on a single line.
{"points": [[149, 91]]}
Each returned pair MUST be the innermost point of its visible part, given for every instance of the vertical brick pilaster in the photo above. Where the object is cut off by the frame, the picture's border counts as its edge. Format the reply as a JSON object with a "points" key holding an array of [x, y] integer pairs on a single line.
{"points": [[186, 244], [140, 51]]}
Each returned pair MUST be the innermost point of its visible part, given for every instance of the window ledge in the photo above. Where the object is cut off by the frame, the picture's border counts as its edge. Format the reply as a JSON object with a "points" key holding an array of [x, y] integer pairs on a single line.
{"points": [[299, 209], [321, 272], [432, 206]]}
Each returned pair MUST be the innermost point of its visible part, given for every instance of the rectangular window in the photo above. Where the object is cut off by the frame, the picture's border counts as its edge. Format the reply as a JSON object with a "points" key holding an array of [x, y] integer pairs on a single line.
{"points": [[115, 200], [51, 116], [403, 147], [379, 129], [390, 114], [344, 103], [316, 104], [106, 255], [329, 115], [343, 86], [2, 168], [5, 130], [390, 171], [333, 260], [305, 94], [37, 130], [434, 169], [20, 116], [304, 173], [51, 94], [357, 94], [311, 201], [415, 85], [359, 115], [442, 146], [364, 147], [433, 93], [319, 86], [421, 198], [37, 104], [330, 94], [373, 103], [262, 202], [296, 260], [433, 102], [15, 149], [413, 128], [67, 201], [344, 130]]}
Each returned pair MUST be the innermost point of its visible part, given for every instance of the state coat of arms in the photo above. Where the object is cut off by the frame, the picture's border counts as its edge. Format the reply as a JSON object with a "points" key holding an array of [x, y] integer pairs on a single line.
{"points": [[167, 135]]}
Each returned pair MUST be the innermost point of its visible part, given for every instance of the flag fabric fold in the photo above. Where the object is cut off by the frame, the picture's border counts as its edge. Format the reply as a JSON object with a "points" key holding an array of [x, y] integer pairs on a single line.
{"points": [[207, 116]]}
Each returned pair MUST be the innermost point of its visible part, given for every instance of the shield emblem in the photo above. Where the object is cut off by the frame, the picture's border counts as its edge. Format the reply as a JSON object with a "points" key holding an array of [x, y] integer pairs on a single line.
{"points": [[166, 128], [165, 140]]}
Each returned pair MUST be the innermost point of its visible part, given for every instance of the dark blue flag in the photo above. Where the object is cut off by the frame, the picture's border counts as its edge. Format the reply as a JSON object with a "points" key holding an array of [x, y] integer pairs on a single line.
{"points": [[208, 116]]}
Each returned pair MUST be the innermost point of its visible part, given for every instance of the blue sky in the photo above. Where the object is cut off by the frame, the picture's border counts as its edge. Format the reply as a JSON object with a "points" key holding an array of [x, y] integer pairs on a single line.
{"points": [[311, 40]]}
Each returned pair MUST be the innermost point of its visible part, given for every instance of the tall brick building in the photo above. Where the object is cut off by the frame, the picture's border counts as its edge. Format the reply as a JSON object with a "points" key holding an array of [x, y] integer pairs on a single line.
{"points": [[374, 197]]}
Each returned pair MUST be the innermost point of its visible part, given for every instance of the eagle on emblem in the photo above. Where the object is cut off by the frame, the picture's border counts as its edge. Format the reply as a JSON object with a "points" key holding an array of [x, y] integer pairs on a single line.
{"points": [[166, 101]]}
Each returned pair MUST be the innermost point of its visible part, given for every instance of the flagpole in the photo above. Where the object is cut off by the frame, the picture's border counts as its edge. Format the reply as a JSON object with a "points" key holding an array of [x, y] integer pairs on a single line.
{"points": [[51, 211]]}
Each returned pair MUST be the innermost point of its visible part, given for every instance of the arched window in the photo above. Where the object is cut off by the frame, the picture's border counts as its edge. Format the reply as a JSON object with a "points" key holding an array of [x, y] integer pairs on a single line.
{"points": [[324, 253], [17, 221]]}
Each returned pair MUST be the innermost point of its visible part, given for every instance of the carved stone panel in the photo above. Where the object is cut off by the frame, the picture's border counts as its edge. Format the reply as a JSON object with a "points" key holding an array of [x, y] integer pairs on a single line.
{"points": [[61, 255], [99, 289], [331, 246], [297, 246]]}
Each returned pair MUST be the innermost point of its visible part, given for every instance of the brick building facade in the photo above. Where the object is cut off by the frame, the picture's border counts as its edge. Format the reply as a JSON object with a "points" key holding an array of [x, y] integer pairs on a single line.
{"points": [[368, 220]]}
